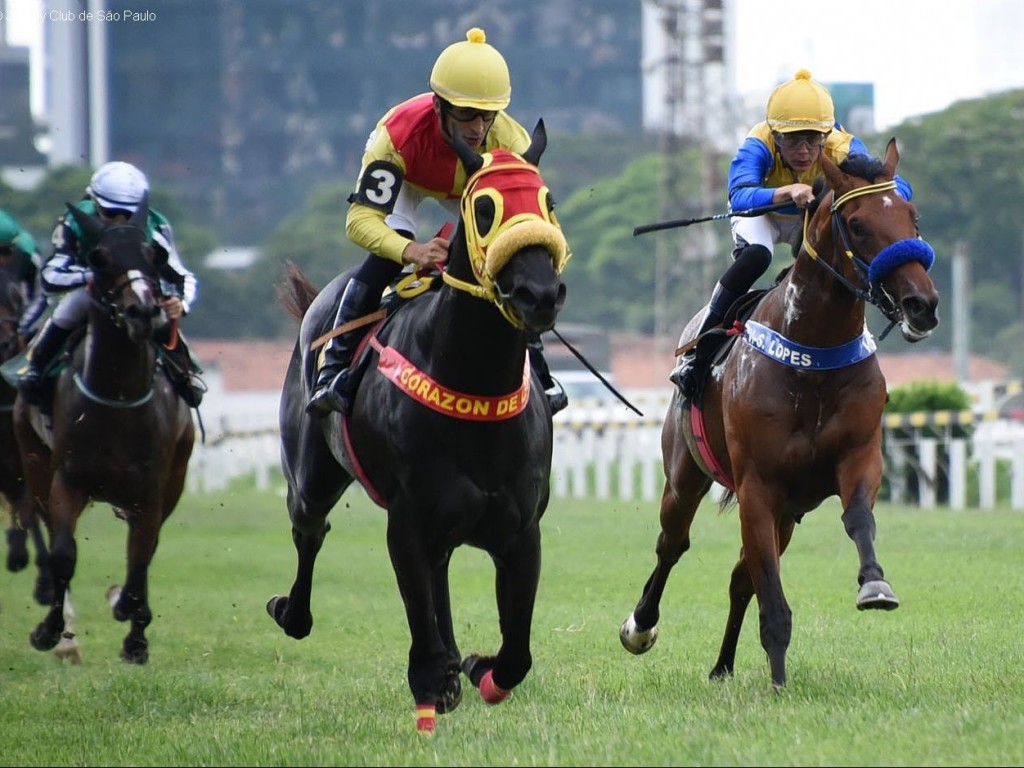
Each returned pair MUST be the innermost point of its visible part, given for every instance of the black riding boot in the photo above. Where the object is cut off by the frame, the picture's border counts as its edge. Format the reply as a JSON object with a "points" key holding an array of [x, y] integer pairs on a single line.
{"points": [[750, 263], [332, 391], [41, 353], [557, 399], [684, 375]]}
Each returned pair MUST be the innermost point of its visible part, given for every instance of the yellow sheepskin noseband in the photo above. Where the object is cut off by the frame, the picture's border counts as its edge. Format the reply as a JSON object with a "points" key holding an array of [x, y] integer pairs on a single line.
{"points": [[506, 206]]}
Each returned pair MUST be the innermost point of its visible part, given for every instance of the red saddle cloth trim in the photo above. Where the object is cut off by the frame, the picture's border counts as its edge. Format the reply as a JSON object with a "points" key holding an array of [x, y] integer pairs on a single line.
{"points": [[700, 438], [424, 390]]}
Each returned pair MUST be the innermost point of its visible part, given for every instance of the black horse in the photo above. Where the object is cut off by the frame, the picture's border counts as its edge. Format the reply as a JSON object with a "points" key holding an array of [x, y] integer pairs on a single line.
{"points": [[450, 430], [118, 432], [12, 480]]}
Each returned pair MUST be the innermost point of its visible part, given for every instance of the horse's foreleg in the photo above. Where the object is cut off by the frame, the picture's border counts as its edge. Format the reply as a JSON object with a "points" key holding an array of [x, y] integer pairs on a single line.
{"points": [[133, 603], [427, 669], [451, 695], [639, 631], [859, 522], [517, 574], [43, 590], [741, 592], [65, 504], [761, 536], [17, 549]]}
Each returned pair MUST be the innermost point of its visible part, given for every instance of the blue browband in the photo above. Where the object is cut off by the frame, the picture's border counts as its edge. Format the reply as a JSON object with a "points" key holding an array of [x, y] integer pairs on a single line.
{"points": [[776, 346], [900, 252]]}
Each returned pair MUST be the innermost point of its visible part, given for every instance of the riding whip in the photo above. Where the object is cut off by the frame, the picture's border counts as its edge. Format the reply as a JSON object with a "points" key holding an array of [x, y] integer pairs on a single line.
{"points": [[727, 215]]}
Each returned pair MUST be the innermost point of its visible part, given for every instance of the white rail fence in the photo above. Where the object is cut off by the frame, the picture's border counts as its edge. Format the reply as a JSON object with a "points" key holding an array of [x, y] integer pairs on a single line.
{"points": [[603, 450]]}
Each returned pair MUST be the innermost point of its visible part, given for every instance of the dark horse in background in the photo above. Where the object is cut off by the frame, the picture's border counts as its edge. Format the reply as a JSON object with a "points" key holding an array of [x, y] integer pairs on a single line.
{"points": [[119, 433], [450, 431], [793, 414], [12, 479]]}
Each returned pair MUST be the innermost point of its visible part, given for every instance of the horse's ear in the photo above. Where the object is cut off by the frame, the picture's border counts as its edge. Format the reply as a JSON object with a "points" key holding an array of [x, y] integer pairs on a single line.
{"points": [[892, 158], [538, 143], [833, 176], [471, 161], [90, 225], [141, 215]]}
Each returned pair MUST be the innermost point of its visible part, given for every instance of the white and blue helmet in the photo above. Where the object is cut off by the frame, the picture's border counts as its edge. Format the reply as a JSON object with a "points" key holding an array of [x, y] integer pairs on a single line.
{"points": [[118, 185]]}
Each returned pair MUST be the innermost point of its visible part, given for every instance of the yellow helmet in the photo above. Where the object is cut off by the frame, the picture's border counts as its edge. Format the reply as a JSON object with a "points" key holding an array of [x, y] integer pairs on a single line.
{"points": [[472, 74], [801, 105]]}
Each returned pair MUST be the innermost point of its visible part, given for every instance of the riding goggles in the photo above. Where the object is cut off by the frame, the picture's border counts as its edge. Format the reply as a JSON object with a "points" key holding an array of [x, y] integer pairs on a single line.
{"points": [[809, 139]]}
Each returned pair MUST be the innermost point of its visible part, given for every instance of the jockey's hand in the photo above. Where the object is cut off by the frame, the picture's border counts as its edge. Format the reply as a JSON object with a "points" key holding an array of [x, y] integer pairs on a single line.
{"points": [[801, 194], [428, 255], [172, 307]]}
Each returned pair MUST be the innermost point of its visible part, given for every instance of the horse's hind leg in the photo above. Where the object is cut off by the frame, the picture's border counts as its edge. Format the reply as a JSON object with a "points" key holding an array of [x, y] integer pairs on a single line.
{"points": [[859, 521], [309, 527], [639, 631]]}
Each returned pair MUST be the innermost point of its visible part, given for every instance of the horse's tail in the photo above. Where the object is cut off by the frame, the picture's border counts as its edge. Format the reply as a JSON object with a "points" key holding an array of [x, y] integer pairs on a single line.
{"points": [[295, 293]]}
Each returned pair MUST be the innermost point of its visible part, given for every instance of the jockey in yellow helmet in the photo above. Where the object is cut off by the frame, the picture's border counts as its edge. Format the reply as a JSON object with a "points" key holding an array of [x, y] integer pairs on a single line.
{"points": [[408, 160], [777, 163]]}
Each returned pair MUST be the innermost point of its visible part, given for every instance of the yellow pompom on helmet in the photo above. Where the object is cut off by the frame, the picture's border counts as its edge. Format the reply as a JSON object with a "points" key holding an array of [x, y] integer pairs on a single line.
{"points": [[472, 74], [801, 105]]}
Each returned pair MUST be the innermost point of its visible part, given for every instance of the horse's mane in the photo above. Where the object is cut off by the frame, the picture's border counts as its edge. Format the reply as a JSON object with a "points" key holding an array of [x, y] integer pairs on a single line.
{"points": [[864, 166]]}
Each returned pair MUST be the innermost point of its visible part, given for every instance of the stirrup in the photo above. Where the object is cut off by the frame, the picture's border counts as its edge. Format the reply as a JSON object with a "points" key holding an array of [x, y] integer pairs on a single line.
{"points": [[332, 396], [683, 375]]}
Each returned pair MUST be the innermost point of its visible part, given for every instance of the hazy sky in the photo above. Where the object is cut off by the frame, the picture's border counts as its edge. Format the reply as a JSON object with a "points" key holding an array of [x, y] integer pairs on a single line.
{"points": [[922, 55]]}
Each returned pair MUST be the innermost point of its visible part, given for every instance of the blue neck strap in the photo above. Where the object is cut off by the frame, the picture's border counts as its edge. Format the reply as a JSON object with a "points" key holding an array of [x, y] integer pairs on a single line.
{"points": [[776, 346]]}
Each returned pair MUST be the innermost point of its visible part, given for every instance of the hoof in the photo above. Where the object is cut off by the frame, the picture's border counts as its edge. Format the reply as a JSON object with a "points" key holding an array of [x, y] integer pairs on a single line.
{"points": [[17, 550], [426, 720], [135, 651], [451, 696], [877, 595], [490, 691], [68, 648], [277, 607], [636, 640], [43, 639]]}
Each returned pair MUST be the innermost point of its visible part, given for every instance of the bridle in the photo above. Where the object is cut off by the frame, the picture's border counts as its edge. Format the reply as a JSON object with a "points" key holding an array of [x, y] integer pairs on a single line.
{"points": [[869, 275]]}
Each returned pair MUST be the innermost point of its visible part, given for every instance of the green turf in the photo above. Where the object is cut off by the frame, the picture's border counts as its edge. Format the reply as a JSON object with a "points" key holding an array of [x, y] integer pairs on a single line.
{"points": [[938, 682]]}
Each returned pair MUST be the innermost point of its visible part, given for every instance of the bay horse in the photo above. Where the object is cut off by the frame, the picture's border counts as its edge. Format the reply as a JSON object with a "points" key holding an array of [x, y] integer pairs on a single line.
{"points": [[12, 303], [793, 413], [118, 432], [450, 431]]}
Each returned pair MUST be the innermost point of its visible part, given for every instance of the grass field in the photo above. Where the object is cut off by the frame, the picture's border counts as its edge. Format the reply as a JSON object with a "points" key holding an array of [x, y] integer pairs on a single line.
{"points": [[938, 682]]}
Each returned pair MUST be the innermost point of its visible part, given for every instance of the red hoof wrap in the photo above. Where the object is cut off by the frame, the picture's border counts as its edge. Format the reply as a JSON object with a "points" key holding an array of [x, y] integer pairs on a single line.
{"points": [[490, 691], [426, 720]]}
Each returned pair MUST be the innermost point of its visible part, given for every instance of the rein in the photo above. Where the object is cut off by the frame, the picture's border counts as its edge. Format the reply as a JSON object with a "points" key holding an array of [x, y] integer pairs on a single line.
{"points": [[116, 314], [84, 389]]}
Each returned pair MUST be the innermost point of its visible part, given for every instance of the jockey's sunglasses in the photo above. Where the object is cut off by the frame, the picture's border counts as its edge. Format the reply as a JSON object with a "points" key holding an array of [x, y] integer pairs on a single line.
{"points": [[468, 114], [6, 250], [809, 139]]}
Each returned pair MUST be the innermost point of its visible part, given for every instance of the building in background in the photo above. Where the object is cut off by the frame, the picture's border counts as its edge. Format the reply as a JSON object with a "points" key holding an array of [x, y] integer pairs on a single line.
{"points": [[243, 106], [20, 161]]}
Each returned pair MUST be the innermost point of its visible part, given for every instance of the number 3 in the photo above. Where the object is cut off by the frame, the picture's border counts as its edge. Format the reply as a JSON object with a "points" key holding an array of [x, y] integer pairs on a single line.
{"points": [[380, 185]]}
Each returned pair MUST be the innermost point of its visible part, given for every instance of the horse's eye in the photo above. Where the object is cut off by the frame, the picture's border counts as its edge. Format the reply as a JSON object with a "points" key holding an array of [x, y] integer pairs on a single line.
{"points": [[549, 202]]}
